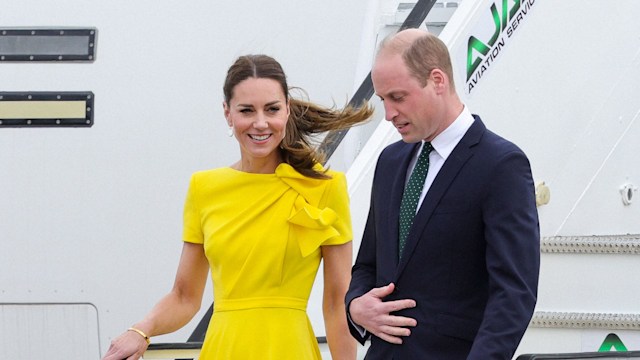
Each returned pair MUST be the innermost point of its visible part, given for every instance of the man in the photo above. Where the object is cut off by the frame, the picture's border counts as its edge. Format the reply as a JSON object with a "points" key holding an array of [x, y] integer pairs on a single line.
{"points": [[463, 283]]}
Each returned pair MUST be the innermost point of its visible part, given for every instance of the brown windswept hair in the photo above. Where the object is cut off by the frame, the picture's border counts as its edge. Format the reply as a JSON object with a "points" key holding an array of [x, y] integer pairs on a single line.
{"points": [[306, 118]]}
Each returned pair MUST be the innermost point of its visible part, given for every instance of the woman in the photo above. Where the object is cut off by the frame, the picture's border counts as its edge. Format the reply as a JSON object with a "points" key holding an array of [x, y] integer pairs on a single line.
{"points": [[261, 226]]}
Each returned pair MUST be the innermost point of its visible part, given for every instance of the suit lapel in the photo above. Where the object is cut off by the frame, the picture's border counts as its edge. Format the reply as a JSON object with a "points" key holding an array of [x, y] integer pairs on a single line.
{"points": [[450, 169], [398, 174]]}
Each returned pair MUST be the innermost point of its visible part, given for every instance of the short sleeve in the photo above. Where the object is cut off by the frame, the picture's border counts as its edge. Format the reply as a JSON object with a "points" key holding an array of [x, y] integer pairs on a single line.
{"points": [[192, 225], [337, 198]]}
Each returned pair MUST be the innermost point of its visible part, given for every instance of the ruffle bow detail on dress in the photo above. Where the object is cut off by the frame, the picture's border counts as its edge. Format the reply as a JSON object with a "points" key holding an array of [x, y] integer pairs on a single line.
{"points": [[314, 225], [311, 226]]}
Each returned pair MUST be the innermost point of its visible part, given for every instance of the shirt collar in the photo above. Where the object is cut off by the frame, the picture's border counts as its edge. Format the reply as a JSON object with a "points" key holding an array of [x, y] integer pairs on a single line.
{"points": [[447, 140]]}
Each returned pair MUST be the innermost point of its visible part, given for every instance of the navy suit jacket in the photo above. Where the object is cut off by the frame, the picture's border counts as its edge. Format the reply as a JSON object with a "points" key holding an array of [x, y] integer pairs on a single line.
{"points": [[472, 256]]}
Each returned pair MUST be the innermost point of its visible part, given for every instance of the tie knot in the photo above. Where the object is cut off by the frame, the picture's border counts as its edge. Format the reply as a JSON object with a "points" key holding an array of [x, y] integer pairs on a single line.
{"points": [[426, 149]]}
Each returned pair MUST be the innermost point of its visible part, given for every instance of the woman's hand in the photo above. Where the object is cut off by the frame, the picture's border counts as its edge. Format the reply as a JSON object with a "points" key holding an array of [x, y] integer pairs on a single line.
{"points": [[128, 346]]}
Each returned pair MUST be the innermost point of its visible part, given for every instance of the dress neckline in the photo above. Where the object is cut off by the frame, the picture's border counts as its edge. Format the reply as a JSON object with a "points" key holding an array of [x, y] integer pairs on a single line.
{"points": [[279, 168]]}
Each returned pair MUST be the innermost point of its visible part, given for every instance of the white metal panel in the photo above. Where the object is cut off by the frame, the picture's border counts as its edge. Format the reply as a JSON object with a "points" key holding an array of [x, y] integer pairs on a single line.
{"points": [[49, 331]]}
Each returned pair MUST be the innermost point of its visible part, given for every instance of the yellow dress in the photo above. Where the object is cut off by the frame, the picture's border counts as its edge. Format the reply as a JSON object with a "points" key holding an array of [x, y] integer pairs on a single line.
{"points": [[262, 235]]}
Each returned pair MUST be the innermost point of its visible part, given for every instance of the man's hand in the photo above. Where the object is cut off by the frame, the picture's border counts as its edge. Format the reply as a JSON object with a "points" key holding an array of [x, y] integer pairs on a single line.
{"points": [[374, 314]]}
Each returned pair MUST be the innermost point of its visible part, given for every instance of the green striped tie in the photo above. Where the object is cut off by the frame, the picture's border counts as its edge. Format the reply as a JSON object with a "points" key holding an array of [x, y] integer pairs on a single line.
{"points": [[411, 195]]}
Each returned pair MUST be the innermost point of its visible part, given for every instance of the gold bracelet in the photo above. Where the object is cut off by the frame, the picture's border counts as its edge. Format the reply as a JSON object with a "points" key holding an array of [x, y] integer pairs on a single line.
{"points": [[146, 338]]}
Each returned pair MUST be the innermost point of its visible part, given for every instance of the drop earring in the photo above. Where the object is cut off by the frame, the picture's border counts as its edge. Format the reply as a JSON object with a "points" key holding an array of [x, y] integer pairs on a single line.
{"points": [[230, 131]]}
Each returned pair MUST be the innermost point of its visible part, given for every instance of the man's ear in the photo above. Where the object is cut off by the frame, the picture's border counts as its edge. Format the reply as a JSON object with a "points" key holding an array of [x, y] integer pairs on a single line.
{"points": [[439, 78]]}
